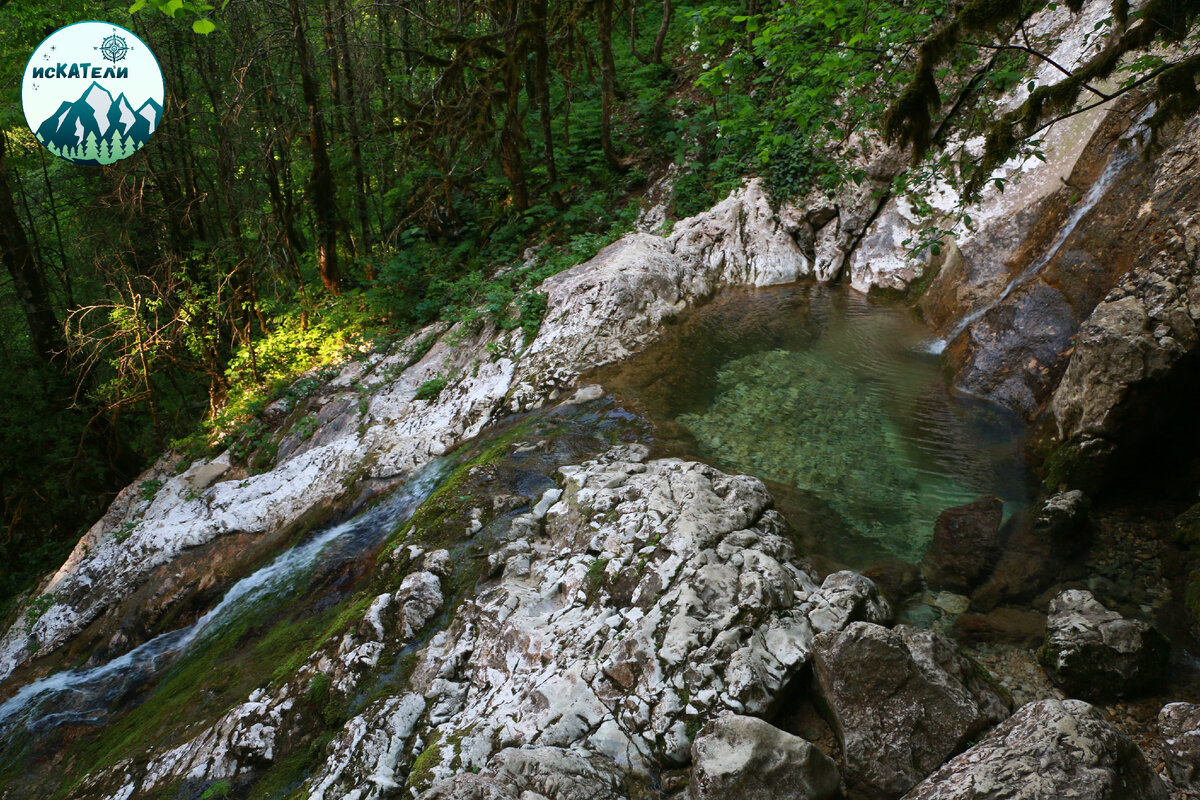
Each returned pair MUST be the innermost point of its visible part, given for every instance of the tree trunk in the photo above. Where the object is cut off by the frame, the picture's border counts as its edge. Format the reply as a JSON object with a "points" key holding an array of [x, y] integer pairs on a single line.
{"points": [[512, 135], [353, 101], [656, 54], [28, 281], [321, 185], [541, 91], [608, 81]]}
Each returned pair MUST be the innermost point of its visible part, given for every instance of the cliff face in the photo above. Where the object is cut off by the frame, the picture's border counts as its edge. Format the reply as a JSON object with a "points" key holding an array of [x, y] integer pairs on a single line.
{"points": [[559, 603]]}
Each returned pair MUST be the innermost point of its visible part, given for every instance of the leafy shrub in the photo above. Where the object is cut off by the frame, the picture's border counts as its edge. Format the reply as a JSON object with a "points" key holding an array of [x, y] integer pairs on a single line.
{"points": [[148, 489], [431, 388]]}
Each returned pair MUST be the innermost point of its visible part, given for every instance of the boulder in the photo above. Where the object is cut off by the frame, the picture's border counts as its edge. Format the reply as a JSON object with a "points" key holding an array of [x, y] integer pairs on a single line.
{"points": [[964, 546], [746, 758], [1037, 547], [1047, 749], [897, 580], [1095, 653], [902, 701], [1179, 726]]}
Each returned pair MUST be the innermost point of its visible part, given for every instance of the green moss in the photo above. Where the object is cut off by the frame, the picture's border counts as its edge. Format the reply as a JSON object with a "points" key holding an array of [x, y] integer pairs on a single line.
{"points": [[420, 776], [285, 778], [594, 579], [213, 677], [215, 790], [147, 489], [1187, 528], [1192, 596], [436, 523], [431, 388], [318, 690]]}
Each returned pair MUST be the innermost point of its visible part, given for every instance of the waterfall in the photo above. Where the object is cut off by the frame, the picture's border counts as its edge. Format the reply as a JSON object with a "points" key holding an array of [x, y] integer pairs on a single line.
{"points": [[1125, 152]]}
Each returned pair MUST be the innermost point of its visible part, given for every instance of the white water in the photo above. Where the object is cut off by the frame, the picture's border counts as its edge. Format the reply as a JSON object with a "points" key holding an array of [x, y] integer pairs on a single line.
{"points": [[85, 693], [1126, 150]]}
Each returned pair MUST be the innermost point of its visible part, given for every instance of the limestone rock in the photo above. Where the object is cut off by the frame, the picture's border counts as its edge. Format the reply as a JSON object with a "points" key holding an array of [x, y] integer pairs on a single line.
{"points": [[902, 701], [654, 595], [1096, 653], [744, 757], [552, 773], [965, 541], [1179, 726], [1138, 336], [597, 312], [1050, 748]]}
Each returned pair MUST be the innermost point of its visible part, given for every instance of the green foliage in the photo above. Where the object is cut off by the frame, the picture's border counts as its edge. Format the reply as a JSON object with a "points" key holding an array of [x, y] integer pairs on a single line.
{"points": [[307, 426], [431, 388], [421, 775], [593, 579], [148, 489], [125, 531], [40, 605], [217, 789], [789, 86]]}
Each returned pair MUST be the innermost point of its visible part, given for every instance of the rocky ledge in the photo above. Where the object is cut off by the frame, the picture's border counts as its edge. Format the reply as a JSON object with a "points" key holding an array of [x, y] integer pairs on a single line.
{"points": [[646, 630]]}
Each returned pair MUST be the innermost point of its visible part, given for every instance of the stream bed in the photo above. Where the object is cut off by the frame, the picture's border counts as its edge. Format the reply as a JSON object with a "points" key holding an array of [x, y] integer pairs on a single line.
{"points": [[838, 402]]}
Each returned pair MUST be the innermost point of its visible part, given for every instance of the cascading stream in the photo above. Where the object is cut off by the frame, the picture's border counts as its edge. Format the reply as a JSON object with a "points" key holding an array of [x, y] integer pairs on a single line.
{"points": [[1126, 151], [82, 694]]}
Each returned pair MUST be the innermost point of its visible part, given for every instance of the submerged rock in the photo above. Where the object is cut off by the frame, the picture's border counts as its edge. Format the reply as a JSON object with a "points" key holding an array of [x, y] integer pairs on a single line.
{"points": [[1047, 749], [1004, 625], [1037, 548], [964, 546], [1095, 653], [902, 701], [1179, 726], [746, 758]]}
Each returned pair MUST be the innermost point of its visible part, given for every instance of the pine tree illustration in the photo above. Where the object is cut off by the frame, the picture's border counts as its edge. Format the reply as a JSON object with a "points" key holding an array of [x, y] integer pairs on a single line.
{"points": [[91, 152]]}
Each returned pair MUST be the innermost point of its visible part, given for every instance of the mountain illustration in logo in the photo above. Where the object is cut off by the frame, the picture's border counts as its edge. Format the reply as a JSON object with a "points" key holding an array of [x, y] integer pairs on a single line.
{"points": [[98, 129]]}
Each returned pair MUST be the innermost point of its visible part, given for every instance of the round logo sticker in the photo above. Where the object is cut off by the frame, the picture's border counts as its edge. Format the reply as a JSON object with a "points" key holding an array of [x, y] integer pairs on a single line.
{"points": [[92, 93]]}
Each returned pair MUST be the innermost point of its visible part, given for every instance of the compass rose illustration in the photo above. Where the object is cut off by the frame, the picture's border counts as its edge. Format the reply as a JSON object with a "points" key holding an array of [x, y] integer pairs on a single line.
{"points": [[114, 48]]}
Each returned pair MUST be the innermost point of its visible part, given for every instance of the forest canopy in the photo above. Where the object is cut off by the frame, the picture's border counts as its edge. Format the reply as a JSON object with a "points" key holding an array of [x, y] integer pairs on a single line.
{"points": [[332, 174]]}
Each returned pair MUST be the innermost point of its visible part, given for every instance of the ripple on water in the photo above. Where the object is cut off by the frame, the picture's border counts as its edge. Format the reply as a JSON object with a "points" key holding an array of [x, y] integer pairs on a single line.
{"points": [[836, 401]]}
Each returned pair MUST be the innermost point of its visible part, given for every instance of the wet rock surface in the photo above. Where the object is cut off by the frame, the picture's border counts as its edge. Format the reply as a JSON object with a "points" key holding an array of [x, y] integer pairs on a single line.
{"points": [[658, 594], [1094, 652], [1006, 625], [1112, 394], [902, 702], [746, 758], [1037, 548], [965, 545], [647, 598], [1050, 748]]}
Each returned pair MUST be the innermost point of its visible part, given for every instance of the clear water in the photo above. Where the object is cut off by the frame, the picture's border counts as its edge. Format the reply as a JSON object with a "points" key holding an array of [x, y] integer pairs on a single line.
{"points": [[840, 405]]}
